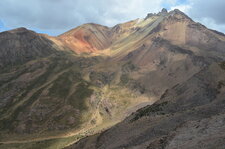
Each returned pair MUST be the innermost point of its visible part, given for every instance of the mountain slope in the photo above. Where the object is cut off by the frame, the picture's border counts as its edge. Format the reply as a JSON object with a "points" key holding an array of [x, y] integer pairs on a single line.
{"points": [[21, 45], [179, 63], [189, 115], [87, 38], [52, 94], [92, 77]]}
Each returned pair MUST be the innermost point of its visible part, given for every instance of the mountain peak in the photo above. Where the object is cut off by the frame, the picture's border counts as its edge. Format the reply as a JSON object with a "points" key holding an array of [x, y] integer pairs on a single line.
{"points": [[149, 15], [20, 29], [177, 12], [164, 10]]}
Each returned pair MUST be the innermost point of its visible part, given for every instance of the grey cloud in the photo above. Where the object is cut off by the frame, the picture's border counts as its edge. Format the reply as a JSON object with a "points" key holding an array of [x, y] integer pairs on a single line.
{"points": [[214, 9], [57, 16], [208, 12]]}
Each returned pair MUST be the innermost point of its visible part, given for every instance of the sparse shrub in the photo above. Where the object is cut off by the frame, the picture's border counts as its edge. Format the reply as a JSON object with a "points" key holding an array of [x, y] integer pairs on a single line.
{"points": [[155, 108], [124, 79], [77, 99], [222, 65], [221, 84]]}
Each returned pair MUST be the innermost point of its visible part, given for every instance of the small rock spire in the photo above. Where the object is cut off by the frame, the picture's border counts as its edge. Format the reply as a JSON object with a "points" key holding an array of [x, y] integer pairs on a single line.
{"points": [[164, 10]]}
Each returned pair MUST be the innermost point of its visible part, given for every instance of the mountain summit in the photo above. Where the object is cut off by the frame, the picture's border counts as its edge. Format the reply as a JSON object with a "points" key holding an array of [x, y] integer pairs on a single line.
{"points": [[156, 82]]}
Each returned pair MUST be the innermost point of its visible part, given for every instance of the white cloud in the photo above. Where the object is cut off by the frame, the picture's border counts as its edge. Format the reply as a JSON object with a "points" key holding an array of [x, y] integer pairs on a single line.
{"points": [[213, 9], [58, 16], [210, 13], [183, 8], [210, 23]]}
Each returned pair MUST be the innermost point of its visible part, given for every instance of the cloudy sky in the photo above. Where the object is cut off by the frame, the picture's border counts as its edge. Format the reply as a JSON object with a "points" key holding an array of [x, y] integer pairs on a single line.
{"points": [[57, 16]]}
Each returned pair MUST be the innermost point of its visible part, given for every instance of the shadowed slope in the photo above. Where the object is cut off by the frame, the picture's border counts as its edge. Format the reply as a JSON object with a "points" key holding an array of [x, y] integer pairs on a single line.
{"points": [[21, 45], [188, 115]]}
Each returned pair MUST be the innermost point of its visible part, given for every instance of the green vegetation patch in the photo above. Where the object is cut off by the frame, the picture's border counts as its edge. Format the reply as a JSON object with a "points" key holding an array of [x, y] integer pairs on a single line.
{"points": [[124, 79], [40, 80], [47, 144], [13, 77], [222, 65], [155, 108], [77, 99], [61, 86], [129, 67], [8, 123], [221, 84]]}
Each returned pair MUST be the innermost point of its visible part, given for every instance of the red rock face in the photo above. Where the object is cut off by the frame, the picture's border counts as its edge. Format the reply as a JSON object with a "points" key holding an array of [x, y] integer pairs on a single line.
{"points": [[80, 42], [88, 38], [91, 38]]}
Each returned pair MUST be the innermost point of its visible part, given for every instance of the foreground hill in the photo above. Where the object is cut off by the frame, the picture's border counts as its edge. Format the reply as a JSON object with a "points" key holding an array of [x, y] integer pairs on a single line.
{"points": [[189, 115], [21, 45], [56, 90]]}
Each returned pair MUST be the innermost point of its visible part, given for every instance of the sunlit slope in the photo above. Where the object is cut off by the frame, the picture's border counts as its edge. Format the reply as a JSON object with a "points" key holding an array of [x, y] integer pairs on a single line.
{"points": [[181, 64], [87, 38]]}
